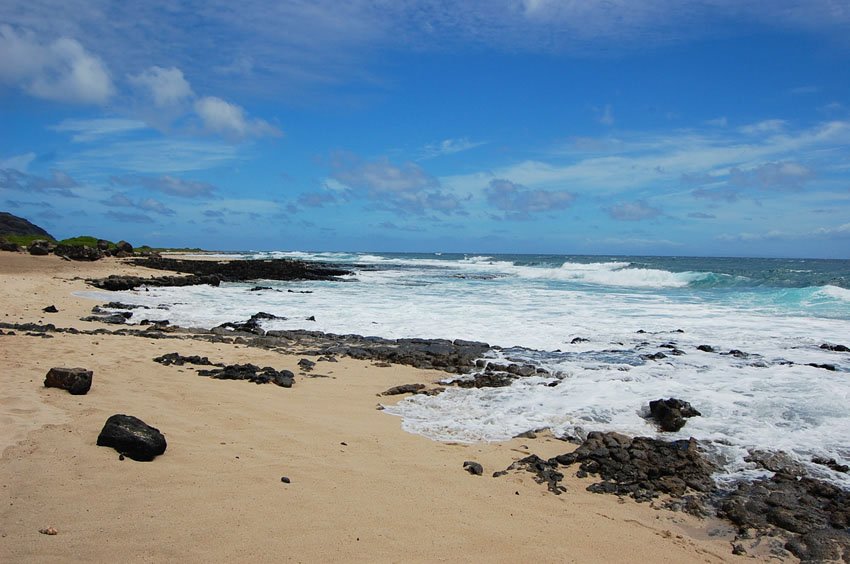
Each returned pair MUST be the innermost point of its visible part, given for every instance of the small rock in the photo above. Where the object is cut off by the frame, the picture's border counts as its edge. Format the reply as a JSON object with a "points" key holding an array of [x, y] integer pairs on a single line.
{"points": [[48, 531], [835, 348], [830, 367], [655, 356], [285, 480], [50, 309], [671, 413], [306, 365], [738, 550], [830, 463], [737, 354], [76, 380], [705, 348], [473, 468]]}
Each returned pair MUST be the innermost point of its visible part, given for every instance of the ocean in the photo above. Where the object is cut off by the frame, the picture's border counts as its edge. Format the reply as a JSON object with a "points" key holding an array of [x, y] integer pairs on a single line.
{"points": [[591, 322]]}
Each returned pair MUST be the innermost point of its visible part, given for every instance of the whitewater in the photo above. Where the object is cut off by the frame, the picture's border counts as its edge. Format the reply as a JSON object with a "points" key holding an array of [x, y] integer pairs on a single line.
{"points": [[591, 322]]}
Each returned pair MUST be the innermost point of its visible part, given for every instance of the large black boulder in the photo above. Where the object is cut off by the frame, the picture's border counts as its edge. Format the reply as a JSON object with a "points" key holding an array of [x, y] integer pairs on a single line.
{"points": [[78, 252], [132, 437], [39, 247]]}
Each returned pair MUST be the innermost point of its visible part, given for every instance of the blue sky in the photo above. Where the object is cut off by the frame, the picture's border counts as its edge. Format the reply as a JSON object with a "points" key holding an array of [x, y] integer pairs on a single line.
{"points": [[709, 127]]}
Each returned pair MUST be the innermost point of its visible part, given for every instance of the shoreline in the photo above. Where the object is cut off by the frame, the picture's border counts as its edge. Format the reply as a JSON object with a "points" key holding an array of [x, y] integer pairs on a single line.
{"points": [[381, 480]]}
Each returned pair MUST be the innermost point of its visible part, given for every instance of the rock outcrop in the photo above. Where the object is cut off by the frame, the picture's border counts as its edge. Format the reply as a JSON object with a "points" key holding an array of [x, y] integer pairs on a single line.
{"points": [[813, 515]]}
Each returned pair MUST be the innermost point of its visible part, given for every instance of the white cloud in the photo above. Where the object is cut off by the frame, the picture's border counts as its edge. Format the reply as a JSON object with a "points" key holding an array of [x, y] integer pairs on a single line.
{"points": [[838, 231], [449, 147], [606, 115], [773, 176], [229, 119], [119, 200], [18, 162], [166, 86], [168, 185], [153, 156], [642, 160], [766, 126], [62, 70], [87, 130], [746, 236], [406, 187], [57, 183], [330, 42], [519, 202], [633, 211]]}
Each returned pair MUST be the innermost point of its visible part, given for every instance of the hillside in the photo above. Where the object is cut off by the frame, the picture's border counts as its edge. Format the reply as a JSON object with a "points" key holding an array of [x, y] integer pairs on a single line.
{"points": [[14, 225]]}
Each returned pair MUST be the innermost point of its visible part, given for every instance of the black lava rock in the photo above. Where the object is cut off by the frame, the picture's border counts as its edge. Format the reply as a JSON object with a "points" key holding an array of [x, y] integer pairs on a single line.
{"points": [[835, 348], [403, 389], [179, 360], [811, 514], [670, 414], [655, 356], [78, 252], [132, 437], [76, 380], [831, 463], [306, 365], [544, 471], [50, 309], [641, 467], [830, 367], [473, 468], [252, 373]]}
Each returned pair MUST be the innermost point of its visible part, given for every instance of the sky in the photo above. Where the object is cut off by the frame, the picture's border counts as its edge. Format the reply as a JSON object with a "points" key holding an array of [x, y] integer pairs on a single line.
{"points": [[627, 127]]}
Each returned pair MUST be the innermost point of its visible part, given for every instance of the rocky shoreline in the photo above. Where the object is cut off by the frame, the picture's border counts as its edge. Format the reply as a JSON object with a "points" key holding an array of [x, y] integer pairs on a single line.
{"points": [[198, 272], [804, 515]]}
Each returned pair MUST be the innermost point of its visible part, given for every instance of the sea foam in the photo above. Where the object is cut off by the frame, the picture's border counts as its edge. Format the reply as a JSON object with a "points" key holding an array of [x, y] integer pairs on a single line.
{"points": [[768, 397]]}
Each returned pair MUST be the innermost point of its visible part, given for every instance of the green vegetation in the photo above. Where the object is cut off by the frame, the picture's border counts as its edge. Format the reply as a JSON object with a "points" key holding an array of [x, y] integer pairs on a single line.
{"points": [[23, 240], [84, 241], [89, 241]]}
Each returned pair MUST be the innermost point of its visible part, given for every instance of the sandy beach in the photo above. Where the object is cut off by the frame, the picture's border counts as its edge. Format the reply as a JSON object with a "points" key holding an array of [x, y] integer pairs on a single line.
{"points": [[361, 488]]}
